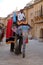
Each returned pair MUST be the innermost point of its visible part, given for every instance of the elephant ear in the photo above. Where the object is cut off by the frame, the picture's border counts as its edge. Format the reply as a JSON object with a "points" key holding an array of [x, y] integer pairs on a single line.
{"points": [[2, 26]]}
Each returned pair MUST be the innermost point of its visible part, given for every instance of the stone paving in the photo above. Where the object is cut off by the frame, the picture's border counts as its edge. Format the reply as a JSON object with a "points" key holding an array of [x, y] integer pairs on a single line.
{"points": [[34, 54]]}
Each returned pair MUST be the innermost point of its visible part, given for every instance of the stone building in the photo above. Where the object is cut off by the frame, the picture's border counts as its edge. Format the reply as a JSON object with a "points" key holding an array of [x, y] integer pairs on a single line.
{"points": [[34, 14]]}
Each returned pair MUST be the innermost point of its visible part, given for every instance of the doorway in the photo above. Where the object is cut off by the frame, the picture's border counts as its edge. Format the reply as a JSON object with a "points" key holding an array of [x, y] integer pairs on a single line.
{"points": [[41, 33]]}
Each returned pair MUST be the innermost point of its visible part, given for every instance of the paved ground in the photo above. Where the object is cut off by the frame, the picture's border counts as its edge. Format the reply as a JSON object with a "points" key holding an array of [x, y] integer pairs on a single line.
{"points": [[34, 54]]}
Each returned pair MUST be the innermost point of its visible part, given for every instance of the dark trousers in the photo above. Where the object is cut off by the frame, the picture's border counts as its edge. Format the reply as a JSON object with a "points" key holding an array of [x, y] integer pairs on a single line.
{"points": [[12, 47], [12, 44]]}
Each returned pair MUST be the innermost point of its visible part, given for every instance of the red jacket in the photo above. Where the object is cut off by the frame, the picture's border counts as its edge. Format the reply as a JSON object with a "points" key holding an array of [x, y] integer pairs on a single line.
{"points": [[9, 32]]}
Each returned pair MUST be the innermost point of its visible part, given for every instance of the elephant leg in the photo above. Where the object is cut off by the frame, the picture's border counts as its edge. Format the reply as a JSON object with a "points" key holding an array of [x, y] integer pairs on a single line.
{"points": [[20, 43]]}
